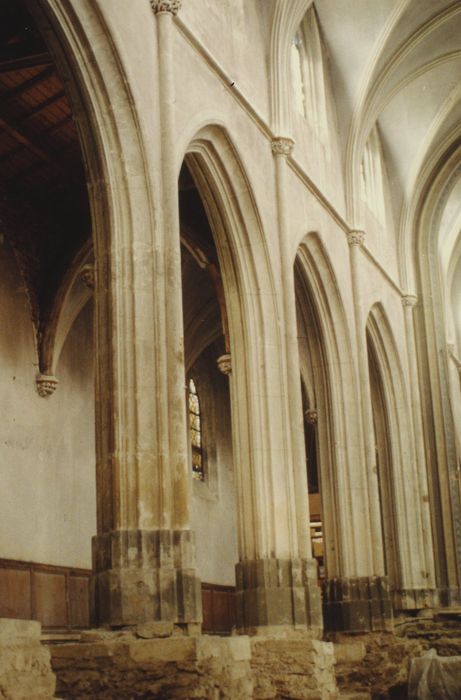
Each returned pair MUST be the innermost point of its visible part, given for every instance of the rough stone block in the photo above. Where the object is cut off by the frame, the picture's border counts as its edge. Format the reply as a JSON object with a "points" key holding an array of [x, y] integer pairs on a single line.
{"points": [[25, 670]]}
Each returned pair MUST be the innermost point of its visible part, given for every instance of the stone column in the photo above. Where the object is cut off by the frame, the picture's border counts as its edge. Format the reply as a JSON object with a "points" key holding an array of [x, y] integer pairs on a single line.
{"points": [[143, 554], [282, 590], [360, 600], [419, 593]]}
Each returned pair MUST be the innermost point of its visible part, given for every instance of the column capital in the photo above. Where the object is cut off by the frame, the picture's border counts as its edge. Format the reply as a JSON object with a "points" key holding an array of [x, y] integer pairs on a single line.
{"points": [[282, 146], [356, 237], [46, 385], [170, 6], [409, 300]]}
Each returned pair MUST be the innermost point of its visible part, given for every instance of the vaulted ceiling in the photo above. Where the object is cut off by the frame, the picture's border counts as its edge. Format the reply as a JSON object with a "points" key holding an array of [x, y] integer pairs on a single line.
{"points": [[397, 63]]}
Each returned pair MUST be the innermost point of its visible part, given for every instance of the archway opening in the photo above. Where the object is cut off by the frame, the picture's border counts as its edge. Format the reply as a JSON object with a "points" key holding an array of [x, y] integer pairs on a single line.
{"points": [[207, 361]]}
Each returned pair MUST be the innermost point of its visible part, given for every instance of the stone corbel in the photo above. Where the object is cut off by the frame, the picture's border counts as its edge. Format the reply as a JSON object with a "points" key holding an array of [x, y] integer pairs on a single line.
{"points": [[224, 363], [87, 276], [46, 384]]}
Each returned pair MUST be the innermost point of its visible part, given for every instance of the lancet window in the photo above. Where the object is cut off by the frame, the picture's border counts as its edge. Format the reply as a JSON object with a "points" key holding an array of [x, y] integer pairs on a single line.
{"points": [[196, 437]]}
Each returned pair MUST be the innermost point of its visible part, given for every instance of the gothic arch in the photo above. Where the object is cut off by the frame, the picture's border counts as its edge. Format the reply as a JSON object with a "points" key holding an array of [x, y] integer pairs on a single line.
{"points": [[251, 308], [321, 307], [400, 483], [287, 16], [427, 212]]}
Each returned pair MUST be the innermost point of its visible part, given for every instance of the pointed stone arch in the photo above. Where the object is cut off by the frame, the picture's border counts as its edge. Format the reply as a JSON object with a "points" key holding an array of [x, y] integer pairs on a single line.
{"points": [[268, 520], [320, 307], [287, 16], [402, 487]]}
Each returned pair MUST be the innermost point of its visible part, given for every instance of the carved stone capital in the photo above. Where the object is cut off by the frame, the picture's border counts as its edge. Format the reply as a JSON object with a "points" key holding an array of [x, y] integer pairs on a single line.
{"points": [[355, 237], [171, 6], [87, 276], [282, 146], [311, 416], [224, 363], [46, 384], [409, 300]]}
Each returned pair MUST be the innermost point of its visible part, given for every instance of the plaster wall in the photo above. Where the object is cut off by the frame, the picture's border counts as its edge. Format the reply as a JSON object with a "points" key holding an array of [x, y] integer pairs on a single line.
{"points": [[246, 25], [47, 500], [213, 507]]}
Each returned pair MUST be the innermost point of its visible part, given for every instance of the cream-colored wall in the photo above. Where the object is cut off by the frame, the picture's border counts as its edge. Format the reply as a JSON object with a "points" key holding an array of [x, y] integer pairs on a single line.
{"points": [[47, 499], [213, 507]]}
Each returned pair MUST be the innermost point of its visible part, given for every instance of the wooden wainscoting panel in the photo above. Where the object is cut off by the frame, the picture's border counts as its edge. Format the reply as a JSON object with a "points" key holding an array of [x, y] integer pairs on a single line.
{"points": [[50, 595], [79, 601], [15, 593]]}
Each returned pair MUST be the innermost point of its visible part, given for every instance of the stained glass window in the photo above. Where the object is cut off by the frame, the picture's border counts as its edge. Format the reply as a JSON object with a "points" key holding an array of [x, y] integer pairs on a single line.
{"points": [[195, 427]]}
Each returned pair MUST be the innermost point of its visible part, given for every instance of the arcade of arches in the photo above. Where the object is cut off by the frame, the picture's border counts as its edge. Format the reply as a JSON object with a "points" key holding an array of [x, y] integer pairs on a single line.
{"points": [[230, 355]]}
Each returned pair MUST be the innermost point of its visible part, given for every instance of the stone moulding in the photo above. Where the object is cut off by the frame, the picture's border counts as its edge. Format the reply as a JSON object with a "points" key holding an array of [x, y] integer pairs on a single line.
{"points": [[46, 384]]}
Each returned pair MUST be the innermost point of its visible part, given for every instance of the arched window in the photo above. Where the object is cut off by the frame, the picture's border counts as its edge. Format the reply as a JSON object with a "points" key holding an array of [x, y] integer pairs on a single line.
{"points": [[195, 427], [309, 76]]}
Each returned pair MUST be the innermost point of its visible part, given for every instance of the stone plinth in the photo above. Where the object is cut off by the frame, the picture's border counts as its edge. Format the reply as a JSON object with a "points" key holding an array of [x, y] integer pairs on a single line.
{"points": [[300, 668], [357, 604], [278, 592], [122, 666], [25, 670], [143, 576]]}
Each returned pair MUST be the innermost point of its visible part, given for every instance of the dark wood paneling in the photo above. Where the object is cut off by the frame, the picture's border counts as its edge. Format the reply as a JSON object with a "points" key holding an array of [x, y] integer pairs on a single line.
{"points": [[57, 596], [15, 593], [218, 608], [49, 591], [79, 601]]}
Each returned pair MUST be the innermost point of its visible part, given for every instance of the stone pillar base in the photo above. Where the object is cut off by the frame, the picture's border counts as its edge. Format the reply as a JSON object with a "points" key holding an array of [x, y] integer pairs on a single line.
{"points": [[273, 593], [142, 576], [450, 597], [25, 669], [415, 599], [359, 604]]}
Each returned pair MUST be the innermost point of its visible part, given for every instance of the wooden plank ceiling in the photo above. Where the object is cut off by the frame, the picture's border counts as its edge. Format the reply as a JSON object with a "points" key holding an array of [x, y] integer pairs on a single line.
{"points": [[44, 211]]}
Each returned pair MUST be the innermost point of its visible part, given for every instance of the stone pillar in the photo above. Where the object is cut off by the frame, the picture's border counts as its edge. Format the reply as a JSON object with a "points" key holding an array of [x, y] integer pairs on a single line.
{"points": [[282, 589], [360, 600], [420, 593], [143, 554]]}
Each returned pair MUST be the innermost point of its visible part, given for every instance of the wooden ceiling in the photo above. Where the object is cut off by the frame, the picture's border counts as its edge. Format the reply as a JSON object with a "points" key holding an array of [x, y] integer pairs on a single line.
{"points": [[44, 211]]}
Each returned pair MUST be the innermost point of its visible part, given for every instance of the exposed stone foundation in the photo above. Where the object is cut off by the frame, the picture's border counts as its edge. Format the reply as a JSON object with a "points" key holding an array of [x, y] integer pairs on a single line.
{"points": [[122, 666], [293, 668], [25, 671], [376, 663]]}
